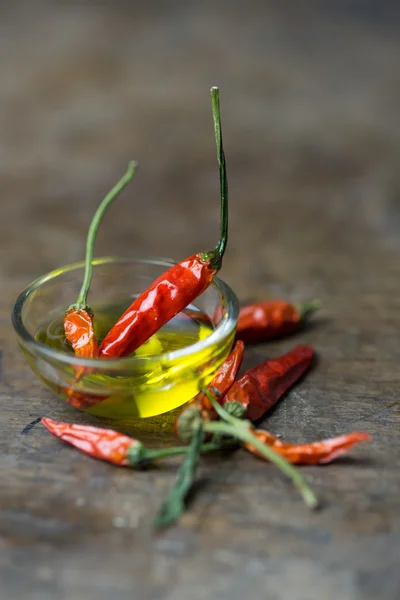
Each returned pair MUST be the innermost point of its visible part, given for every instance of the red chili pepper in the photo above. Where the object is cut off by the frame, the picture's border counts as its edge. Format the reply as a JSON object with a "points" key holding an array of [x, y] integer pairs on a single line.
{"points": [[262, 386], [113, 447], [218, 387], [267, 320], [78, 320], [321, 452], [104, 444], [178, 286], [166, 297]]}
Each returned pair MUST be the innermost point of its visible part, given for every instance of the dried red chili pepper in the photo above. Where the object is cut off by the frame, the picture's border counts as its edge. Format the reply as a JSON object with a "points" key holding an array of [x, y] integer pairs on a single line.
{"points": [[78, 319], [111, 446], [321, 452], [105, 444], [264, 321], [262, 386], [218, 387], [175, 289]]}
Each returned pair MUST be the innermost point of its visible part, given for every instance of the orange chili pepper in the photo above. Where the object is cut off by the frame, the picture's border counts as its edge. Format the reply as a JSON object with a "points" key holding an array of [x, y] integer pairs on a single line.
{"points": [[175, 289], [322, 452], [79, 331], [264, 321]]}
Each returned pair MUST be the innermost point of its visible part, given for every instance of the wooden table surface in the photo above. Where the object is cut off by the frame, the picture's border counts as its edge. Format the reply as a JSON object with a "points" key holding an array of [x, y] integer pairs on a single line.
{"points": [[310, 98]]}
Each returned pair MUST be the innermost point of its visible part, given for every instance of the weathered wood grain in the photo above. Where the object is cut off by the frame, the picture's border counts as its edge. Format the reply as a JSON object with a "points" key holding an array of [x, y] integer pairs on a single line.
{"points": [[310, 98]]}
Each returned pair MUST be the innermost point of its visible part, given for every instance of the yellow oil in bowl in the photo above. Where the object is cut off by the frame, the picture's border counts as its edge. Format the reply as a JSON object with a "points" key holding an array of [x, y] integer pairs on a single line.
{"points": [[156, 381]]}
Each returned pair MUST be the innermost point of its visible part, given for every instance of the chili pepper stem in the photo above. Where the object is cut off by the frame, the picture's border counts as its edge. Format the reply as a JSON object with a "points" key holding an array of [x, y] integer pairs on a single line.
{"points": [[308, 309], [243, 433], [241, 430], [94, 225], [147, 455], [216, 255], [172, 508]]}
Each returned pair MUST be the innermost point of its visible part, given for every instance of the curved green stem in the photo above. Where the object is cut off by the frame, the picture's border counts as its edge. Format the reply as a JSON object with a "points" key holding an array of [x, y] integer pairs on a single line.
{"points": [[216, 255], [245, 434], [94, 226], [242, 430]]}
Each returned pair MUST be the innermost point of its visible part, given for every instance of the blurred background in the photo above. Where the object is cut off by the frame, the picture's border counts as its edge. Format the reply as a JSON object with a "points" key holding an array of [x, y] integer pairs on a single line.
{"points": [[310, 106]]}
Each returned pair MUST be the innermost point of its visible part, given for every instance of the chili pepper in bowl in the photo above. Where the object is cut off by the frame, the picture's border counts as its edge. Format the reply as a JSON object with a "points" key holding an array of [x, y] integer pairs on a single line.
{"points": [[267, 320], [175, 289], [78, 319]]}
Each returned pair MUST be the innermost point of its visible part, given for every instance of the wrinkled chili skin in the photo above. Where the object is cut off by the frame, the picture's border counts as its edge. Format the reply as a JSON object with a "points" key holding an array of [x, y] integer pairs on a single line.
{"points": [[104, 444], [315, 453], [168, 295], [79, 331], [262, 386], [264, 321], [218, 386]]}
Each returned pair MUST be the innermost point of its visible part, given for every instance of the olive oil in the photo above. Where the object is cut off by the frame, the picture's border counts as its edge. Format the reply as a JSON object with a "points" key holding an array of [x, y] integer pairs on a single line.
{"points": [[151, 385]]}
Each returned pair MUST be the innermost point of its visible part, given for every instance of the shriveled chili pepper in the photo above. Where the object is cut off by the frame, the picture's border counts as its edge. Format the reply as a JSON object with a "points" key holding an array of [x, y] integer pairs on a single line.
{"points": [[218, 387], [321, 452], [78, 319], [264, 321], [170, 293], [111, 446], [262, 386], [105, 444], [79, 331]]}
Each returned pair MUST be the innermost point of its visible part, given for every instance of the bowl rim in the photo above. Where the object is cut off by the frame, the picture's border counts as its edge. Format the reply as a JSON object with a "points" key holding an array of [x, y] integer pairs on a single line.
{"points": [[223, 330]]}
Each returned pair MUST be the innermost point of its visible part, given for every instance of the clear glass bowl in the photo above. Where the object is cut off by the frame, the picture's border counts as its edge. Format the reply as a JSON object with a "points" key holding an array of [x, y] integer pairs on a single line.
{"points": [[131, 387]]}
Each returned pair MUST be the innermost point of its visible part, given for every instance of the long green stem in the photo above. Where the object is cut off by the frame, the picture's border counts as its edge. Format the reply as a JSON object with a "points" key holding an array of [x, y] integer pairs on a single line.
{"points": [[172, 508], [147, 455], [246, 435], [216, 255], [242, 430], [94, 226]]}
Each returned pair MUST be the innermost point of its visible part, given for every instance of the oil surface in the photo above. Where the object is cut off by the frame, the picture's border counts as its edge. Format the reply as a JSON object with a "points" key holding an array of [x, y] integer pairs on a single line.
{"points": [[153, 386], [187, 328]]}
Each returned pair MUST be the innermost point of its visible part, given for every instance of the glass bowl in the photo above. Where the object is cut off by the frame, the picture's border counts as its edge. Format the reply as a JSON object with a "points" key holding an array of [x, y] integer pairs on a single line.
{"points": [[139, 386]]}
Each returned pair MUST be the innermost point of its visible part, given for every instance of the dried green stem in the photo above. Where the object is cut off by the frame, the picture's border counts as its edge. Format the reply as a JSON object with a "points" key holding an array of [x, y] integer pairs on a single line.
{"points": [[215, 256], [147, 455], [242, 430], [92, 233], [172, 508]]}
